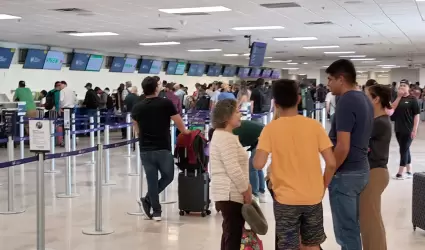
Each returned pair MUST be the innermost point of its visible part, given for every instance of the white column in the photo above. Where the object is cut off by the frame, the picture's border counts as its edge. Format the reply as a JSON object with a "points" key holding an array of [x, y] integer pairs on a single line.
{"points": [[372, 75], [422, 77]]}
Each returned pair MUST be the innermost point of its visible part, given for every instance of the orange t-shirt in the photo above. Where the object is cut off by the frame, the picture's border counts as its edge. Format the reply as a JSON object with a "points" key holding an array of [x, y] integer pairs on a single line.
{"points": [[295, 144]]}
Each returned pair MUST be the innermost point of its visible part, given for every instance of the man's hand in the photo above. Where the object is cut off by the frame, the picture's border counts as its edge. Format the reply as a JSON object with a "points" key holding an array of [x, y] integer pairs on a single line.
{"points": [[413, 135]]}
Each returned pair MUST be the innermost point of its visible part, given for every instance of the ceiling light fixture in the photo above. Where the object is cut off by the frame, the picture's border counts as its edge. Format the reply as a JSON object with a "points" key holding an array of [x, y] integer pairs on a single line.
{"points": [[363, 59], [195, 10], [290, 68], [280, 61], [268, 57], [230, 55], [353, 56], [259, 28], [159, 43], [289, 39], [371, 61], [386, 65], [204, 50], [305, 63], [339, 52], [8, 17], [321, 47], [302, 74], [292, 63], [93, 34], [391, 67]]}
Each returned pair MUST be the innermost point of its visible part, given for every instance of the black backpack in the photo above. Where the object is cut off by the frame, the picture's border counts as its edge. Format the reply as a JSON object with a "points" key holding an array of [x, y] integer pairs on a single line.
{"points": [[266, 99], [109, 102], [50, 100], [203, 103], [321, 95]]}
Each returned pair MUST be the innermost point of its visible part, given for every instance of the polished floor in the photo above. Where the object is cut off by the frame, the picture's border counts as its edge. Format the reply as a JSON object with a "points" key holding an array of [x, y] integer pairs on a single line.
{"points": [[66, 218]]}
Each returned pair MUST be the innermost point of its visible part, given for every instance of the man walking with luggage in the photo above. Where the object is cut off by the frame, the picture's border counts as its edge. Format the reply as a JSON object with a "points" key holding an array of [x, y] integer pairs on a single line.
{"points": [[151, 119]]}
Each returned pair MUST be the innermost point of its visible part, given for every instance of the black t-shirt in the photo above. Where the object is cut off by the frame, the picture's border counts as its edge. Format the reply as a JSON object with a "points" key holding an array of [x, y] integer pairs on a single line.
{"points": [[154, 116], [256, 98], [379, 143], [405, 113]]}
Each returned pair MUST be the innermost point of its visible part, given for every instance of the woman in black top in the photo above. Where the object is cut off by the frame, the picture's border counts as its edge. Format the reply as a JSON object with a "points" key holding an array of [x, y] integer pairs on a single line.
{"points": [[371, 225]]}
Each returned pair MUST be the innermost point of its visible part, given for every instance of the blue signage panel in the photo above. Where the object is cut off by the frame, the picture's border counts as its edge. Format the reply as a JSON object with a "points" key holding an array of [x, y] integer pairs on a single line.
{"points": [[200, 70], [266, 73], [54, 60], [130, 65], [171, 68], [258, 51], [6, 56], [35, 59], [255, 72], [79, 62], [117, 64], [181, 66], [243, 72], [95, 63], [193, 69], [156, 67], [145, 66], [276, 74]]}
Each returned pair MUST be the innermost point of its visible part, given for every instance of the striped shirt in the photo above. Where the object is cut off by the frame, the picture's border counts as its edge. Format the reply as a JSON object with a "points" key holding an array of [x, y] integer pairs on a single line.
{"points": [[229, 167]]}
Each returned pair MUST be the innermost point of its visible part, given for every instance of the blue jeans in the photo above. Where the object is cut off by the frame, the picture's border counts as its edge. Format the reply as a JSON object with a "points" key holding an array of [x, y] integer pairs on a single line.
{"points": [[153, 162], [344, 195], [256, 177]]}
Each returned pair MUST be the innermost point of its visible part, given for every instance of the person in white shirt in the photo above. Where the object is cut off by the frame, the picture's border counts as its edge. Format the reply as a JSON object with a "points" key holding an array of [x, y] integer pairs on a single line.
{"points": [[67, 96], [330, 104]]}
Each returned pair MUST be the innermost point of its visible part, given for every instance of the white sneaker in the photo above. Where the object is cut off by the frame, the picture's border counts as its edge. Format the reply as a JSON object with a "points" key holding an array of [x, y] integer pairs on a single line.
{"points": [[262, 198], [409, 175], [256, 199], [157, 218]]}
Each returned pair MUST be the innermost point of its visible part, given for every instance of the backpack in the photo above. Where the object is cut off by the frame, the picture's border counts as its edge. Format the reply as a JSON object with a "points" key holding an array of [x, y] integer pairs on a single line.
{"points": [[109, 102], [321, 95], [266, 100], [50, 100], [203, 103], [190, 152]]}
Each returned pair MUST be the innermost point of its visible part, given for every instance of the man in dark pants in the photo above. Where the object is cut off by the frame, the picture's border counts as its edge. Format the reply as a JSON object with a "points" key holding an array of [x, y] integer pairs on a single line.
{"points": [[91, 102], [152, 117]]}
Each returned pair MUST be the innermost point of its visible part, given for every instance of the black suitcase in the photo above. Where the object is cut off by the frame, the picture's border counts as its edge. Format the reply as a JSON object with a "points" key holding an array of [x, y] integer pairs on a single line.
{"points": [[418, 201], [194, 193]]}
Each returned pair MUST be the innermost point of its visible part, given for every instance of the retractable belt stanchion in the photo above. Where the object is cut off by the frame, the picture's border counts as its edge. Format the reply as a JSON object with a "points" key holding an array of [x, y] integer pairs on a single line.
{"points": [[138, 161], [68, 170], [21, 134], [128, 121], [52, 117], [98, 229], [73, 138], [91, 120], [164, 193], [107, 181], [141, 180], [173, 136], [324, 117], [98, 125], [207, 127], [305, 112], [265, 119]]}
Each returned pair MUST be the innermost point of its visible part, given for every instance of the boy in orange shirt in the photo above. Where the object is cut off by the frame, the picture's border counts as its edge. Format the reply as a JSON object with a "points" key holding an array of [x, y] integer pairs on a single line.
{"points": [[295, 143]]}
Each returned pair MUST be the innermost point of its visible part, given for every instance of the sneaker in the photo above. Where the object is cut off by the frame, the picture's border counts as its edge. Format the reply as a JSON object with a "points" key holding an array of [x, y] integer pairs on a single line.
{"points": [[409, 175], [156, 217], [399, 177], [256, 199], [145, 207], [262, 198]]}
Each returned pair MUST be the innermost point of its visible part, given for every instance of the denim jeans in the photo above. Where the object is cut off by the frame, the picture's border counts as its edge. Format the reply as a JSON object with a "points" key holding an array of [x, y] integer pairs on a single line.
{"points": [[344, 195], [256, 177], [153, 162]]}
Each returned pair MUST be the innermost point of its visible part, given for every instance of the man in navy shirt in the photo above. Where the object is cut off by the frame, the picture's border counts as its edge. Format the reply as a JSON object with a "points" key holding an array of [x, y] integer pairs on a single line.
{"points": [[350, 133]]}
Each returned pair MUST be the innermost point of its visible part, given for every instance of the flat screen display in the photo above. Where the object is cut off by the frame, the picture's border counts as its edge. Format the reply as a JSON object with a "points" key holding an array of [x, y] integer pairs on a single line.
{"points": [[35, 59], [145, 66], [156, 67], [255, 72], [181, 66], [95, 63], [117, 64], [243, 72], [79, 62], [229, 71], [54, 60], [276, 74], [6, 56], [130, 65], [171, 68], [258, 51], [200, 70], [214, 70], [193, 69], [266, 73]]}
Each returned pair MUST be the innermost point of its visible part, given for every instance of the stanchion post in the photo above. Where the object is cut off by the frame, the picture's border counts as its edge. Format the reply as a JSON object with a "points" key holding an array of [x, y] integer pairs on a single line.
{"points": [[91, 120], [107, 181], [207, 128], [138, 160], [98, 125], [52, 142], [265, 117], [141, 181], [324, 117], [128, 121], [305, 112], [73, 137], [21, 135], [41, 214], [173, 136], [98, 229], [11, 181]]}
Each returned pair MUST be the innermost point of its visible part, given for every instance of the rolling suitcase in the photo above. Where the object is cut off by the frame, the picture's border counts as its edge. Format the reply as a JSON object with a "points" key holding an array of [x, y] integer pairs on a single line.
{"points": [[418, 201], [194, 193]]}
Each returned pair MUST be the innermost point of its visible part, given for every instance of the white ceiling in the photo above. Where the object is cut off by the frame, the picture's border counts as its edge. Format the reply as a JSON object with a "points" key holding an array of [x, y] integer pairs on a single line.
{"points": [[394, 27]]}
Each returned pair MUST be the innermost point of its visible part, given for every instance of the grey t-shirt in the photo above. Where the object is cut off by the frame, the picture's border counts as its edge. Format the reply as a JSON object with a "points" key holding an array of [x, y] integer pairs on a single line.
{"points": [[354, 114], [379, 145]]}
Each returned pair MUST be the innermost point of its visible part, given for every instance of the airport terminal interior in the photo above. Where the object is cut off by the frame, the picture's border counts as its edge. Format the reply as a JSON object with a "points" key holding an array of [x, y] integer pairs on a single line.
{"points": [[54, 51]]}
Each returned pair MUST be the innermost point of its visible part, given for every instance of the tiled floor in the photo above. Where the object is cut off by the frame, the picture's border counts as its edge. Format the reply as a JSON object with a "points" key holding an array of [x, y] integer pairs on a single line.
{"points": [[65, 218]]}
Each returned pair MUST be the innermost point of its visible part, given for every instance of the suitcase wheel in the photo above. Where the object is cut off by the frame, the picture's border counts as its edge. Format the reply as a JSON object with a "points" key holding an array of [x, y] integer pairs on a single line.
{"points": [[181, 213], [203, 214], [208, 212], [414, 227]]}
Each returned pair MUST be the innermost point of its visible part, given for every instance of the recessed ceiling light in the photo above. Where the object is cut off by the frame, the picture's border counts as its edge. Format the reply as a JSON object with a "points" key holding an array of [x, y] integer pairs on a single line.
{"points": [[204, 50], [371, 61], [420, 0], [325, 66], [363, 59], [305, 63], [259, 28], [288, 39], [387, 65], [230, 55], [354, 56], [268, 57], [290, 68], [8, 17], [339, 52], [292, 63], [302, 74], [159, 43], [247, 54], [280, 61], [94, 34], [391, 67], [196, 10], [321, 47]]}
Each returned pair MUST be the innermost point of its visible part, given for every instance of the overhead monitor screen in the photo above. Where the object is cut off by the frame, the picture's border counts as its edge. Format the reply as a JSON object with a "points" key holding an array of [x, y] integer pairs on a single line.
{"points": [[145, 66], [243, 72], [95, 63], [117, 64], [214, 70], [130, 65], [79, 62], [181, 66], [229, 71], [35, 59], [54, 60], [156, 67], [200, 70], [193, 69], [258, 51], [276, 74], [266, 73], [255, 72], [6, 56], [171, 68]]}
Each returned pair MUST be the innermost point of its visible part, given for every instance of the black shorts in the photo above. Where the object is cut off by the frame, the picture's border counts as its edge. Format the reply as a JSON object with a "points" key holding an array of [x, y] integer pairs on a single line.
{"points": [[293, 221]]}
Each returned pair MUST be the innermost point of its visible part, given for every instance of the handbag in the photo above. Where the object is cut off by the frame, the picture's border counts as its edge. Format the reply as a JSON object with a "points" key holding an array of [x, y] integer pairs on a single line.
{"points": [[251, 241]]}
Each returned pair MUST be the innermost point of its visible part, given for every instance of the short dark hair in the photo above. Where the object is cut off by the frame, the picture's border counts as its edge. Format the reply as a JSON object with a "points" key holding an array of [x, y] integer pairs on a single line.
{"points": [[384, 94], [63, 82], [107, 89], [394, 84], [56, 83], [149, 85], [371, 82], [345, 68], [260, 82], [44, 93], [96, 89], [156, 78], [22, 84], [285, 93]]}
